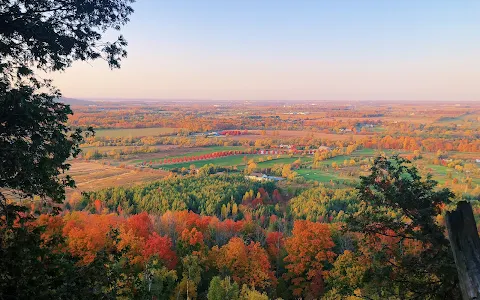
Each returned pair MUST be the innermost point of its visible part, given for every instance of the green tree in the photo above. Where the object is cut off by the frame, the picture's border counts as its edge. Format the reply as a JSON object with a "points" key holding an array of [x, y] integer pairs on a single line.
{"points": [[252, 294], [401, 237], [215, 290], [35, 143], [158, 281], [191, 276], [52, 34], [223, 289]]}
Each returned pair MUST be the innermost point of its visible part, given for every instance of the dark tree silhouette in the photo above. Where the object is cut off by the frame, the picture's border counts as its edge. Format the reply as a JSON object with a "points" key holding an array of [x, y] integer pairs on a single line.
{"points": [[47, 35], [397, 219]]}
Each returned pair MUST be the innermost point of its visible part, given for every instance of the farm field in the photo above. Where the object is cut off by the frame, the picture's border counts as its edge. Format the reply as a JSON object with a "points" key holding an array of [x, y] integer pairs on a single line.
{"points": [[463, 118], [320, 176], [182, 152], [103, 149], [91, 176], [282, 160], [229, 161], [134, 132], [322, 173], [279, 134], [444, 174], [236, 160]]}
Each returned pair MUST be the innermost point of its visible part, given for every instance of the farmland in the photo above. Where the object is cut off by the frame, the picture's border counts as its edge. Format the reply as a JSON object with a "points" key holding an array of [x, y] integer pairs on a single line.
{"points": [[134, 132], [285, 134], [191, 141], [195, 152], [322, 172], [93, 175], [234, 161]]}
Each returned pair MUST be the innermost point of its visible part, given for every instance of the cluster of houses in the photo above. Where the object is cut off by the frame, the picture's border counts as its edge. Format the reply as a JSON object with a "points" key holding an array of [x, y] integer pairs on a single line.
{"points": [[220, 134], [296, 113], [263, 177], [208, 134], [291, 149]]}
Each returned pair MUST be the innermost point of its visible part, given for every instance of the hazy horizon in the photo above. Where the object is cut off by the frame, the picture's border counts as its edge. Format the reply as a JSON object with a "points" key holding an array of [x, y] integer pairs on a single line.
{"points": [[326, 51], [117, 99]]}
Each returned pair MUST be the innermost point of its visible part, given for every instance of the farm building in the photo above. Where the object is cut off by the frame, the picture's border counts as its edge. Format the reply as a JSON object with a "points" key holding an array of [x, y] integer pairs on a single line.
{"points": [[263, 177]]}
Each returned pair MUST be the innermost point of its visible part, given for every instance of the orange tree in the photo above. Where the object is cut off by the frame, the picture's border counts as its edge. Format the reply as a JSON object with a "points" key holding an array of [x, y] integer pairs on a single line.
{"points": [[247, 264], [309, 250]]}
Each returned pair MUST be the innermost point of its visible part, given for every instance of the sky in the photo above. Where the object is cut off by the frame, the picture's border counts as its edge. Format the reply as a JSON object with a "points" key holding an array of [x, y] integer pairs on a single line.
{"points": [[291, 50]]}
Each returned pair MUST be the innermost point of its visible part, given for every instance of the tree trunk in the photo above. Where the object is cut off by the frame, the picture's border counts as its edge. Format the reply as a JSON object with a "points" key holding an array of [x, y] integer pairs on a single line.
{"points": [[465, 243]]}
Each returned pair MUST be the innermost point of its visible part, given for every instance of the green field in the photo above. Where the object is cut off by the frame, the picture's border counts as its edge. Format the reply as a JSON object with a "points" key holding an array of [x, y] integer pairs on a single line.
{"points": [[364, 152], [318, 175], [227, 161], [375, 152], [377, 129], [457, 119], [439, 173], [236, 160], [195, 152], [281, 160], [134, 132], [338, 159]]}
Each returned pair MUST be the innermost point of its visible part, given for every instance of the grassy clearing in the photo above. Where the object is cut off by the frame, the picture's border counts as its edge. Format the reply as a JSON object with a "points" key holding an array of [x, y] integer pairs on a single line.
{"points": [[318, 175], [364, 152], [378, 129], [338, 159], [439, 173], [281, 160]]}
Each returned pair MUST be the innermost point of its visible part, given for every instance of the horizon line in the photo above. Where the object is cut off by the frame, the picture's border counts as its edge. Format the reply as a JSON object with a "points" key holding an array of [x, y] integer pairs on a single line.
{"points": [[119, 99]]}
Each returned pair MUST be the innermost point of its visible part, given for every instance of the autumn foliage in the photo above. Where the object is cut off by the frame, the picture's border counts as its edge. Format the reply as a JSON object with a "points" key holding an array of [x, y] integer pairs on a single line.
{"points": [[247, 264], [309, 250]]}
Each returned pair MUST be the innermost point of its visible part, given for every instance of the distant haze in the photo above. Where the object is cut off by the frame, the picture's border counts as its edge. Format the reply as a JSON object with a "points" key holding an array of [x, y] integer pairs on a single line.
{"points": [[289, 50]]}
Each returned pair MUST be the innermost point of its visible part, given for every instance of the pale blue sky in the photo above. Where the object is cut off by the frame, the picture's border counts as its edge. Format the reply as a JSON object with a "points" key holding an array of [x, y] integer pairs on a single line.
{"points": [[315, 50]]}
